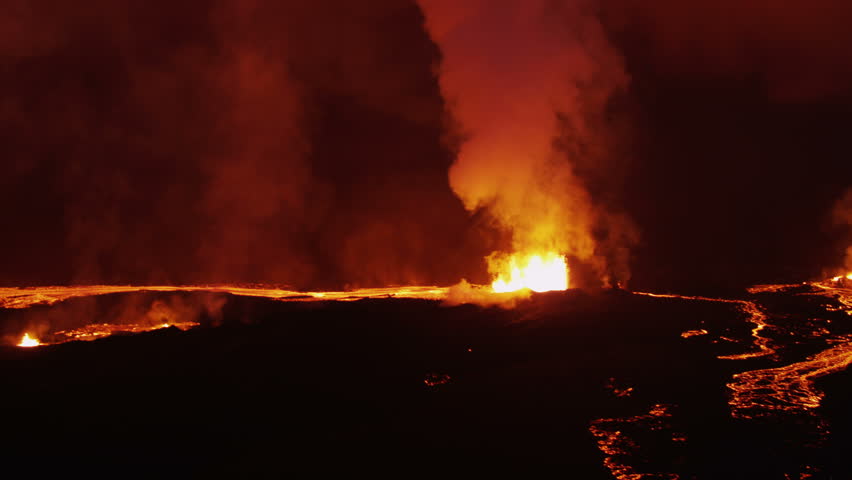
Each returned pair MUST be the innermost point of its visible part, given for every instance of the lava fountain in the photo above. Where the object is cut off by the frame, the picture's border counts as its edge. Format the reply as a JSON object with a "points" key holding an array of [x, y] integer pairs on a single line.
{"points": [[539, 273], [28, 341], [838, 278], [525, 82]]}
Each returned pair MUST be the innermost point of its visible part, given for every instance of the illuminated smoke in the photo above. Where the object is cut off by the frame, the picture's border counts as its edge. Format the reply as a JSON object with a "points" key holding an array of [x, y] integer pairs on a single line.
{"points": [[843, 216], [227, 141], [259, 178], [515, 74]]}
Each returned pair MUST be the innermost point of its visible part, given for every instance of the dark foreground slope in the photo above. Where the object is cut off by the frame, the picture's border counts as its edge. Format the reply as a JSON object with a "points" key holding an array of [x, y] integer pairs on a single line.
{"points": [[390, 386]]}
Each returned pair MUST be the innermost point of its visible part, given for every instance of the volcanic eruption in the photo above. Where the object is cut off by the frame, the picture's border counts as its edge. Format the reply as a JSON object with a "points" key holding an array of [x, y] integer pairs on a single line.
{"points": [[511, 73], [249, 238], [28, 341]]}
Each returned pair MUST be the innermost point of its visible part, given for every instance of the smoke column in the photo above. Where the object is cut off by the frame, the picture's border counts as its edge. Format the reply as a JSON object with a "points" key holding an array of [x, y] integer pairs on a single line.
{"points": [[514, 74], [843, 217]]}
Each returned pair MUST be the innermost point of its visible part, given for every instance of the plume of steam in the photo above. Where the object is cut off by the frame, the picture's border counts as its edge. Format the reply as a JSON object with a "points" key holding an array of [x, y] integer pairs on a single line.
{"points": [[511, 73], [260, 176], [463, 292], [140, 309], [224, 141], [843, 216]]}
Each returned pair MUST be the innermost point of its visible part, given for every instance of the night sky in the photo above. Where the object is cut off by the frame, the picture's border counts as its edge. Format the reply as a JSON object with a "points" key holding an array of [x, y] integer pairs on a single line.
{"points": [[308, 143]]}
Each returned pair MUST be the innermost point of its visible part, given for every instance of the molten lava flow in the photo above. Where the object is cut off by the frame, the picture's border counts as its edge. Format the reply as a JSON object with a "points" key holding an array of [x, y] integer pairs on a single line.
{"points": [[789, 388], [539, 273], [693, 333], [755, 317], [28, 341], [28, 296], [95, 331], [616, 439], [838, 289], [20, 298], [435, 379]]}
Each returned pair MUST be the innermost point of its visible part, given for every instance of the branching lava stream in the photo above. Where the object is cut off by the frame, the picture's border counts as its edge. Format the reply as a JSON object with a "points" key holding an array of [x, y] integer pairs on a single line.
{"points": [[766, 392]]}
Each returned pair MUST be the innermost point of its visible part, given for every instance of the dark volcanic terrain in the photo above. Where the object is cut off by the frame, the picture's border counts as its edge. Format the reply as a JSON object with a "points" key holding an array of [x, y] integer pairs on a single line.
{"points": [[576, 384]]}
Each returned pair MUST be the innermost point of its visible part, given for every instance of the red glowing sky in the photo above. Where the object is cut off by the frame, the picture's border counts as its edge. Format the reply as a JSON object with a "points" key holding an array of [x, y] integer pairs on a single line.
{"points": [[310, 144]]}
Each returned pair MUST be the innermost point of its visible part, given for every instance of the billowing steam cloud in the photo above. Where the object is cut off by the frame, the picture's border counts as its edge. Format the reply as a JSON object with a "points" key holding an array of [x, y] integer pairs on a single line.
{"points": [[516, 73], [843, 216], [224, 141], [284, 141]]}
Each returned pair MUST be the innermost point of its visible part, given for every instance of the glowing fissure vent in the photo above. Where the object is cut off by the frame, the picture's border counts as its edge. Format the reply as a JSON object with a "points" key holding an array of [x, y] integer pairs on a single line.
{"points": [[28, 341], [539, 273]]}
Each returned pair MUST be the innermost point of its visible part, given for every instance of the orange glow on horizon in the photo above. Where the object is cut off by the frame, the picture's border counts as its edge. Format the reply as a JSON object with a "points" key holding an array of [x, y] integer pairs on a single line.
{"points": [[25, 297]]}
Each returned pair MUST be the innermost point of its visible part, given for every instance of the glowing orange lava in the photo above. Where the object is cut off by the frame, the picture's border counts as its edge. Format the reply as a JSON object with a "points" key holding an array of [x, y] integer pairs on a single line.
{"points": [[28, 341], [537, 272], [755, 317], [693, 333], [789, 388], [94, 331], [28, 296], [20, 298], [838, 278], [615, 439]]}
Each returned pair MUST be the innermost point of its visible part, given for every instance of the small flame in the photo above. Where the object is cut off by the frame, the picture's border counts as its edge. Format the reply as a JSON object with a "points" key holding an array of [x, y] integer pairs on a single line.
{"points": [[28, 341], [539, 273]]}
